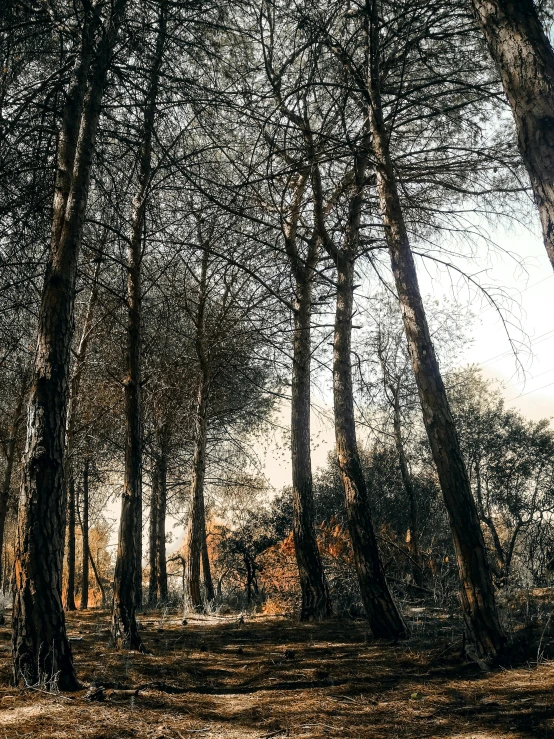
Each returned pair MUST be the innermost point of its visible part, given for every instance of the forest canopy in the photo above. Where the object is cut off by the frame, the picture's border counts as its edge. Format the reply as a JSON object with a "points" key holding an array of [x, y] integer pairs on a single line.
{"points": [[219, 223]]}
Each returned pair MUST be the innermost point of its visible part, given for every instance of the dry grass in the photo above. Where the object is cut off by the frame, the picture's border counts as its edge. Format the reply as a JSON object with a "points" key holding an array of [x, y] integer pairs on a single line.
{"points": [[275, 678]]}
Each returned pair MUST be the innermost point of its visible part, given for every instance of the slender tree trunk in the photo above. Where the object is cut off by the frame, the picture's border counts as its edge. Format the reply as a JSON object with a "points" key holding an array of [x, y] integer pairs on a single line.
{"points": [[98, 579], [10, 458], [160, 531], [206, 569], [525, 60], [315, 593], [196, 533], [41, 650], [70, 438], [384, 617], [69, 474], [316, 602], [153, 538], [413, 537], [128, 570], [85, 531], [196, 546], [133, 400], [477, 592], [70, 591]]}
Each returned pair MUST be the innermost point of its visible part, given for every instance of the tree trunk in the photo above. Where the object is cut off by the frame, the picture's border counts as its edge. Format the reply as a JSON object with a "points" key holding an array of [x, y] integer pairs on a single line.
{"points": [[384, 618], [153, 539], [525, 60], [69, 474], [85, 530], [98, 579], [160, 531], [128, 570], [70, 591], [196, 533], [315, 593], [41, 651], [196, 545], [206, 569], [10, 458], [413, 537], [477, 593]]}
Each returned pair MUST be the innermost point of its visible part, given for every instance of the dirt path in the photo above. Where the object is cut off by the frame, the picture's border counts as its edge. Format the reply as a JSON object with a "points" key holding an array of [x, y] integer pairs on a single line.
{"points": [[275, 678]]}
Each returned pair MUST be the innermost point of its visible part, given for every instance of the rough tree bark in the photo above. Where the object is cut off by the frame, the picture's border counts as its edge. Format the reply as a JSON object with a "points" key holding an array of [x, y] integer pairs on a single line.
{"points": [[128, 569], [383, 615], [85, 531], [70, 585], [525, 60], [477, 593], [41, 651], [10, 452]]}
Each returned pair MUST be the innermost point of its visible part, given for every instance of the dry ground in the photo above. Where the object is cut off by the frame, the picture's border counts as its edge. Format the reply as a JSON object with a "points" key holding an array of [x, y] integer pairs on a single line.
{"points": [[270, 677]]}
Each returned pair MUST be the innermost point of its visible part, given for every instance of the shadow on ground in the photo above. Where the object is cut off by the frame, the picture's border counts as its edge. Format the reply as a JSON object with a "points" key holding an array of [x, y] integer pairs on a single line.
{"points": [[270, 677]]}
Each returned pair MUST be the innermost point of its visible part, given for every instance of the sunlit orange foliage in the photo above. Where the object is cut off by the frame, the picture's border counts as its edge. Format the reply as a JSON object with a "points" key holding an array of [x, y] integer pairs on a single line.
{"points": [[334, 541]]}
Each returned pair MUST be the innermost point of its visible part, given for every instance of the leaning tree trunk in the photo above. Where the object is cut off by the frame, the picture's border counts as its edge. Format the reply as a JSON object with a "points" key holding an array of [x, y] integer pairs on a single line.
{"points": [[41, 650], [153, 539], [70, 586], [128, 569], [525, 60], [10, 459], [477, 592], [315, 593], [85, 532], [196, 532], [383, 615]]}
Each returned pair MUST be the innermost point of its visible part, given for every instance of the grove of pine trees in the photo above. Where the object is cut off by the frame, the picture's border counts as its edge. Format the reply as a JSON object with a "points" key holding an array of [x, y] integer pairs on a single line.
{"points": [[215, 219]]}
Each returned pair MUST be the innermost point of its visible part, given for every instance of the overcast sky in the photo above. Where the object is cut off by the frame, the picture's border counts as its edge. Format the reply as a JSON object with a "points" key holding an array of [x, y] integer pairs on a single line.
{"points": [[520, 277]]}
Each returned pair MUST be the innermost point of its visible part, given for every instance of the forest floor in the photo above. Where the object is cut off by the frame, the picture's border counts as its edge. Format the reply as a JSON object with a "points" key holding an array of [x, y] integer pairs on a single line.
{"points": [[272, 677]]}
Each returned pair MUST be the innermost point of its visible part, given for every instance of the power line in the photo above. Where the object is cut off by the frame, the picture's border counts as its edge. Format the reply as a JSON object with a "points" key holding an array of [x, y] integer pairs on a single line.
{"points": [[530, 392], [538, 340], [530, 379]]}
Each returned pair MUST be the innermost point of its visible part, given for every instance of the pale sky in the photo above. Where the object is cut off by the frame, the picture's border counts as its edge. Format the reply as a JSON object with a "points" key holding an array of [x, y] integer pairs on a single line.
{"points": [[526, 295]]}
